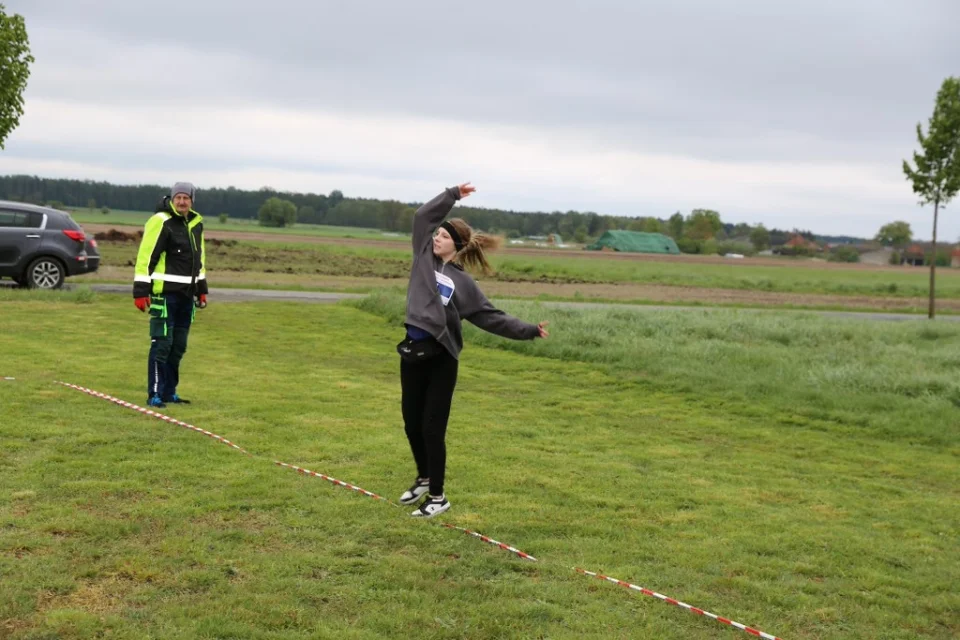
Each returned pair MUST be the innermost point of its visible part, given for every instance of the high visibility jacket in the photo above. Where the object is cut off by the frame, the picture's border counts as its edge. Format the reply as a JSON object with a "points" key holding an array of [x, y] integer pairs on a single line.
{"points": [[172, 256]]}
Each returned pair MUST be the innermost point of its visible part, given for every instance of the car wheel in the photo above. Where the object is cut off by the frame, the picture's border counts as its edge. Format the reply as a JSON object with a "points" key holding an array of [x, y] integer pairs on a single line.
{"points": [[45, 273]]}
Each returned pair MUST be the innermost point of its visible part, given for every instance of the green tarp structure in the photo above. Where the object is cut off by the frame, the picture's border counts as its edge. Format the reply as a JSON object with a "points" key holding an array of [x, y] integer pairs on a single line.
{"points": [[635, 241]]}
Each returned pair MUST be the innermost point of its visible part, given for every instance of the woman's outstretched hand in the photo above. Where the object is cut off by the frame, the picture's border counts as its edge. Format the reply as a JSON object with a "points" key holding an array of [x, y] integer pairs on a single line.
{"points": [[542, 327], [466, 189]]}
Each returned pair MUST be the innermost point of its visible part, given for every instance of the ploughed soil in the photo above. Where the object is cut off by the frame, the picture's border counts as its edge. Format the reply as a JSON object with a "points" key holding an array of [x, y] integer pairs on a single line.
{"points": [[511, 250]]}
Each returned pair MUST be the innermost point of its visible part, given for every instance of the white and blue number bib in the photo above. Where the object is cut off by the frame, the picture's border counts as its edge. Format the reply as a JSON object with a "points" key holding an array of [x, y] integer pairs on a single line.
{"points": [[445, 287]]}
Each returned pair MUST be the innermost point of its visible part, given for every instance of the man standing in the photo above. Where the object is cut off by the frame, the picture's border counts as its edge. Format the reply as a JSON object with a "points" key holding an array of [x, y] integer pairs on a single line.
{"points": [[170, 273]]}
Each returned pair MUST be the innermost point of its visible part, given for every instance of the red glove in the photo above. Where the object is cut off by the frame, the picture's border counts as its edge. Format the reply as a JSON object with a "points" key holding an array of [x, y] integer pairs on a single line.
{"points": [[142, 303], [201, 301]]}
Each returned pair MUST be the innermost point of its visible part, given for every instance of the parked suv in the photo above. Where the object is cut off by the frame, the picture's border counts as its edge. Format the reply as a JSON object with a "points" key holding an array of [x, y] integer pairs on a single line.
{"points": [[40, 247]]}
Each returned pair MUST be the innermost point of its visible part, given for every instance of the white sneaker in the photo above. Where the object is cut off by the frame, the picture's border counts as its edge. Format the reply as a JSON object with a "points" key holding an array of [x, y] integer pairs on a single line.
{"points": [[411, 495], [432, 507]]}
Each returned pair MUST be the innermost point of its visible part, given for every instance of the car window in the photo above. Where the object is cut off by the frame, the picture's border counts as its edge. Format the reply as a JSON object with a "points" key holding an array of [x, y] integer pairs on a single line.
{"points": [[34, 219], [13, 218]]}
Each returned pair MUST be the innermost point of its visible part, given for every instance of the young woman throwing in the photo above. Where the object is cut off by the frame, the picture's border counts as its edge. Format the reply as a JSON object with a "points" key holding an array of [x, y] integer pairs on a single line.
{"points": [[439, 295]]}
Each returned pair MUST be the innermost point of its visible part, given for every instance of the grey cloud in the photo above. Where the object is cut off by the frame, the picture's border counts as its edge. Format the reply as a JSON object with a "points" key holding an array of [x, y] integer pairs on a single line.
{"points": [[735, 81], [167, 159], [710, 79]]}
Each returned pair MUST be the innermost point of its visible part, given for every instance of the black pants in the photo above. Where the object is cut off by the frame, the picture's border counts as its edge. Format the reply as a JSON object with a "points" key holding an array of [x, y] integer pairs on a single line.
{"points": [[427, 393], [170, 319]]}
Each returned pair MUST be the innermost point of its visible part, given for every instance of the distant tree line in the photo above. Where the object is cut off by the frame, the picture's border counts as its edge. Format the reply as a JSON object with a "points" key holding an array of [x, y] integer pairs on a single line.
{"points": [[701, 231]]}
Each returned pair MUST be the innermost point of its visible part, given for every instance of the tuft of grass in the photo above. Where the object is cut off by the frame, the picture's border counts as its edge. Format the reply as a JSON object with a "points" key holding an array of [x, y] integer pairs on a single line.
{"points": [[81, 294]]}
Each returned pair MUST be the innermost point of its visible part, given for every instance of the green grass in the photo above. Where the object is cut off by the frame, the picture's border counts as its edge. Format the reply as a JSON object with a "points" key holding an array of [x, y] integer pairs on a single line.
{"points": [[592, 449], [293, 257], [908, 282], [891, 380], [122, 218], [919, 310], [574, 268]]}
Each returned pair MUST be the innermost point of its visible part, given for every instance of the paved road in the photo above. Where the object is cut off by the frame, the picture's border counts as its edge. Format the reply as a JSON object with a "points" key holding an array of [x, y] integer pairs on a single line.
{"points": [[250, 295], [244, 295]]}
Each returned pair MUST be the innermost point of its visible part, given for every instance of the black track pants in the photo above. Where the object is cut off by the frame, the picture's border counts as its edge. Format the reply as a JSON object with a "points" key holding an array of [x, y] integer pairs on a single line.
{"points": [[427, 393]]}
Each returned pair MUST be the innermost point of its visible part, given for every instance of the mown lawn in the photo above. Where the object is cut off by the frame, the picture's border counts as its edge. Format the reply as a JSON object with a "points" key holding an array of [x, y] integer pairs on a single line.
{"points": [[794, 474]]}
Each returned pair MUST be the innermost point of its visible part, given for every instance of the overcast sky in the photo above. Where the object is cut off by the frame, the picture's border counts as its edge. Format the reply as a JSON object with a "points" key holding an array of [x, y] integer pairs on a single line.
{"points": [[794, 114]]}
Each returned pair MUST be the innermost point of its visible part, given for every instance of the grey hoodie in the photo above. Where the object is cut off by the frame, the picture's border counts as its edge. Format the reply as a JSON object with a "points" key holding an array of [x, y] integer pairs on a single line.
{"points": [[439, 294]]}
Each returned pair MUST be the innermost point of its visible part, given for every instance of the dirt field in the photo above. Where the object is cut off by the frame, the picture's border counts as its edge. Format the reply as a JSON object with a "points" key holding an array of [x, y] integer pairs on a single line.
{"points": [[528, 251], [591, 292], [295, 277]]}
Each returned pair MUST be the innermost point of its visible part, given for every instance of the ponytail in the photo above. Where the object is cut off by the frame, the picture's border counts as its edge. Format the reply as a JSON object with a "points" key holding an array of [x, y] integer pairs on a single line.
{"points": [[473, 255]]}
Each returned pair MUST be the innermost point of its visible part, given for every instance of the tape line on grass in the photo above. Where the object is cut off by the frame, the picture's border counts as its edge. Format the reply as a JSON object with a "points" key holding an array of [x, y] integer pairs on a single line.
{"points": [[505, 547], [339, 483], [682, 605], [154, 414], [370, 494]]}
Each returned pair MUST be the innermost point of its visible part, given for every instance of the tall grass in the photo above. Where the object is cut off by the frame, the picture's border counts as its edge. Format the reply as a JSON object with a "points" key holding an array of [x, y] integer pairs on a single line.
{"points": [[895, 380], [905, 282]]}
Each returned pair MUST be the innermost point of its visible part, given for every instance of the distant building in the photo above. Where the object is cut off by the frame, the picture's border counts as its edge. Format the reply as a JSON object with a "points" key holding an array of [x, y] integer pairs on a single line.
{"points": [[799, 242], [914, 255], [635, 241], [878, 256], [797, 245]]}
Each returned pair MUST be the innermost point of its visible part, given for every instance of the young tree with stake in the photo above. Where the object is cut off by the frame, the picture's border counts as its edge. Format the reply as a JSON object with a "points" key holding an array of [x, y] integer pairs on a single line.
{"points": [[936, 176]]}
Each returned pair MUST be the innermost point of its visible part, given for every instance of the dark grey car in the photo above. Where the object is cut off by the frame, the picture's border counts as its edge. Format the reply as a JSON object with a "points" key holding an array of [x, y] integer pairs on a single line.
{"points": [[40, 247]]}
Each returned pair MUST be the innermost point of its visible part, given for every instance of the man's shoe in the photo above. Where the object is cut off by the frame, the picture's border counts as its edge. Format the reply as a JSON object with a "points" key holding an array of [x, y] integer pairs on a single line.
{"points": [[175, 399], [155, 401]]}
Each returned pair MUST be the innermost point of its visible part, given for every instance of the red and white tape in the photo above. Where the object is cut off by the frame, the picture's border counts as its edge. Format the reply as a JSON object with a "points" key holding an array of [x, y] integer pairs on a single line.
{"points": [[339, 483], [683, 605], [150, 412], [505, 547]]}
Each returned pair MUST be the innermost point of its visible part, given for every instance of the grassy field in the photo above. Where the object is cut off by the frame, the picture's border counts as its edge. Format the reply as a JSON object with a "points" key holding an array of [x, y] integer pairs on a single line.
{"points": [[893, 283], [301, 264], [388, 262], [791, 473], [121, 218]]}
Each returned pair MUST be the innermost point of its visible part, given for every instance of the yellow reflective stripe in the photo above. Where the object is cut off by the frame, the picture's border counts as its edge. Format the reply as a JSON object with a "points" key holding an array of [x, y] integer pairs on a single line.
{"points": [[161, 267], [193, 222], [203, 256], [151, 233]]}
